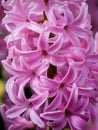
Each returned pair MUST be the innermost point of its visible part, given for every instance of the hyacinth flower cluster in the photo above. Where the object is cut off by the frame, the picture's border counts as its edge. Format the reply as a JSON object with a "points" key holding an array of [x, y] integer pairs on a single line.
{"points": [[53, 62]]}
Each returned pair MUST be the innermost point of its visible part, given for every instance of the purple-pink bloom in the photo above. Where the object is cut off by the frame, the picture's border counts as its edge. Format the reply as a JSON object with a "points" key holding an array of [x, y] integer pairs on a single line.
{"points": [[46, 50], [93, 124], [53, 62], [71, 113], [72, 26], [15, 123], [24, 105]]}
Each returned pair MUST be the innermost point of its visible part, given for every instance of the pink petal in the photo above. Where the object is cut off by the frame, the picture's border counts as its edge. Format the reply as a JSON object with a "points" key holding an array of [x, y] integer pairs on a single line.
{"points": [[36, 119], [85, 90], [35, 27], [29, 55], [11, 70], [21, 82], [51, 17], [9, 89], [43, 40], [49, 83], [57, 29], [41, 68], [73, 98], [82, 33], [77, 122], [55, 103], [83, 75], [14, 127], [70, 76], [82, 15], [82, 104], [53, 116], [68, 15], [73, 38], [58, 125], [92, 58], [15, 111], [56, 45], [19, 28], [40, 99], [57, 60]]}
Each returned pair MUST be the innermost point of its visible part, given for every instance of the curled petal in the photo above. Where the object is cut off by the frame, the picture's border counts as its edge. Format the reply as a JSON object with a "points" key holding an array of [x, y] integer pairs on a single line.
{"points": [[40, 99], [18, 29], [58, 60], [86, 90], [41, 68], [15, 111], [14, 71], [83, 75], [36, 119], [20, 123], [9, 90], [43, 40], [82, 104], [82, 15], [82, 33], [21, 83], [53, 116], [92, 58], [14, 127], [58, 125], [73, 98], [70, 76], [77, 122], [73, 38], [30, 57], [33, 26], [55, 103], [56, 45], [49, 84]]}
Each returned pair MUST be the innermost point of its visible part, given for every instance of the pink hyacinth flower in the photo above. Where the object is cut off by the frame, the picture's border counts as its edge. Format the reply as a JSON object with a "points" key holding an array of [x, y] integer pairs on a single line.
{"points": [[53, 62]]}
